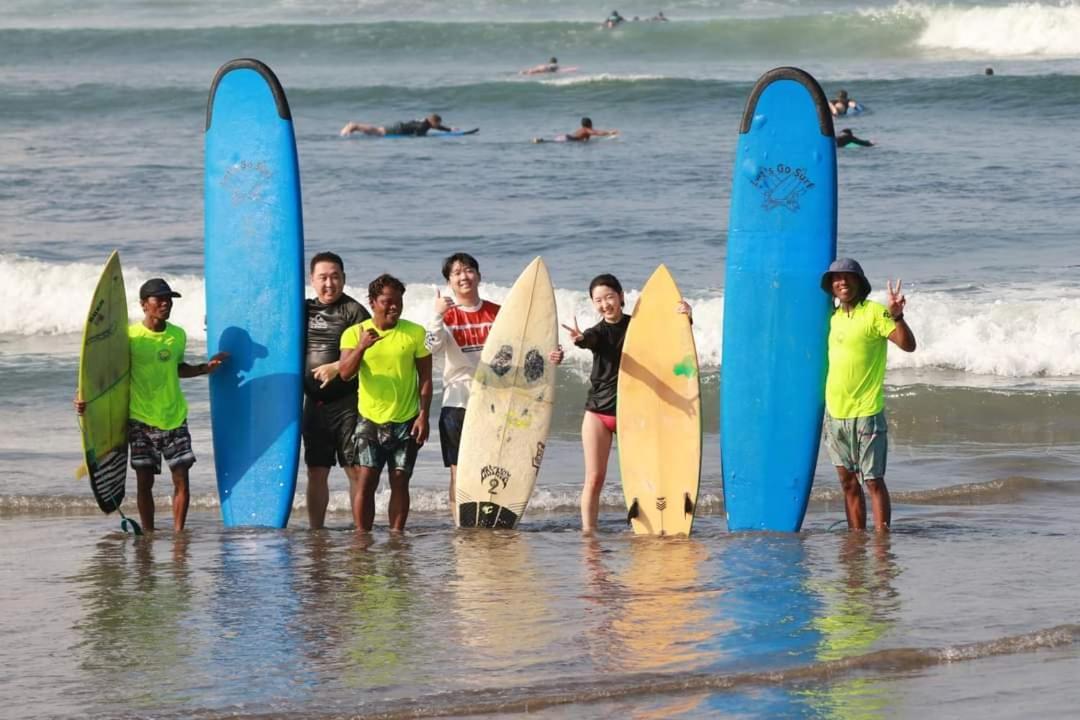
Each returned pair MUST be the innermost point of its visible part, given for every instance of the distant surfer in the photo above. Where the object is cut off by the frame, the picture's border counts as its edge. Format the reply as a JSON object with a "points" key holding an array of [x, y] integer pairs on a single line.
{"points": [[658, 17], [614, 20], [988, 71], [394, 365], [330, 403], [605, 341], [416, 128], [551, 66], [157, 410], [855, 428], [845, 137], [842, 104], [582, 134]]}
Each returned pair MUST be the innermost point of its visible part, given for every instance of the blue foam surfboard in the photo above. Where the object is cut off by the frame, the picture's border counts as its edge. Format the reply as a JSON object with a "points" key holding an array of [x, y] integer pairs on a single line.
{"points": [[781, 238], [254, 293]]}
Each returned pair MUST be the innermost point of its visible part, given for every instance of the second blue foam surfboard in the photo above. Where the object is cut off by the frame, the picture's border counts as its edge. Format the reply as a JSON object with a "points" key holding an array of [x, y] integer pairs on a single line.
{"points": [[254, 293], [781, 238]]}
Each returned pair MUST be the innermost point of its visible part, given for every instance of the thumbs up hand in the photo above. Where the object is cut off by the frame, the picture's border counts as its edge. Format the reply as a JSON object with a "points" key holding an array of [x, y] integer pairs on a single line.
{"points": [[442, 304]]}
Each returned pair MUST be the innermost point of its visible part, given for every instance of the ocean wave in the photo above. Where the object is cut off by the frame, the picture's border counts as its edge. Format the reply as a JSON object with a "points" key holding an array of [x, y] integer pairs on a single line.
{"points": [[565, 499], [424, 500], [905, 29], [600, 78], [624, 688], [1003, 491], [1015, 334], [167, 98], [1014, 30]]}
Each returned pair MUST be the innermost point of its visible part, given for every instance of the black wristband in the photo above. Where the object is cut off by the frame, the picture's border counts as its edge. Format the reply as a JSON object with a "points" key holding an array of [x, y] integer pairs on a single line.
{"points": [[898, 318]]}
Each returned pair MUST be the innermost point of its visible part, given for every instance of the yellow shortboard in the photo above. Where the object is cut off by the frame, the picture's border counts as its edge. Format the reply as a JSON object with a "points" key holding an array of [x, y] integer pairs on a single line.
{"points": [[510, 405], [658, 414], [105, 385]]}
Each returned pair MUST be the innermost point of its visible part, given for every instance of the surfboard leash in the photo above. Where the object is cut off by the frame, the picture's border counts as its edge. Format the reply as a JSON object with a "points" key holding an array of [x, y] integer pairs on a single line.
{"points": [[128, 522]]}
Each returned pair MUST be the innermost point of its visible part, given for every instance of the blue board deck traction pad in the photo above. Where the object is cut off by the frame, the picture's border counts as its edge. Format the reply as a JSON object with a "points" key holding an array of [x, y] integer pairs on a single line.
{"points": [[781, 238]]}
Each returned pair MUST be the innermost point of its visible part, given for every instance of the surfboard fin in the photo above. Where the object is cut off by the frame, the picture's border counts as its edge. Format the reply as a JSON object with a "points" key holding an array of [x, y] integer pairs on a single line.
{"points": [[688, 505], [81, 471], [633, 512]]}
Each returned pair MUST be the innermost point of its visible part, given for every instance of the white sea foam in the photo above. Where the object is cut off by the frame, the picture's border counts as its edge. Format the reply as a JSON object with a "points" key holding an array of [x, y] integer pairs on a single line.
{"points": [[1013, 30], [1015, 333], [600, 77]]}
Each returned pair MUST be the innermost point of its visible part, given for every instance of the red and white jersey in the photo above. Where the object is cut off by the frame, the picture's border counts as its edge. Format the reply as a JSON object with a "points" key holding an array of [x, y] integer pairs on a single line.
{"points": [[459, 336]]}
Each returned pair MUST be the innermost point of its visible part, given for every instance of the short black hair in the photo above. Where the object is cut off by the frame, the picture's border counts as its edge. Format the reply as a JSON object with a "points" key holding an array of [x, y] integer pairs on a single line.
{"points": [[606, 280], [586, 122], [326, 257], [461, 257], [554, 61], [375, 289]]}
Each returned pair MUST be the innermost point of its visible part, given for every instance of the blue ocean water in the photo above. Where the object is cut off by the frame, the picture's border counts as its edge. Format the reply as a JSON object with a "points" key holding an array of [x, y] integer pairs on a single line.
{"points": [[967, 611]]}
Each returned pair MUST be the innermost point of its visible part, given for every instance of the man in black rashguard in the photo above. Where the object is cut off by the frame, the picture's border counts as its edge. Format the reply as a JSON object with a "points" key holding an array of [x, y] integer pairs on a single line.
{"points": [[329, 402]]}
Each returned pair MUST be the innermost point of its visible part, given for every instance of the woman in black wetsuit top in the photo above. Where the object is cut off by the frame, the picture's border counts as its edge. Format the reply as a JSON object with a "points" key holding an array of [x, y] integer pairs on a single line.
{"points": [[605, 340]]}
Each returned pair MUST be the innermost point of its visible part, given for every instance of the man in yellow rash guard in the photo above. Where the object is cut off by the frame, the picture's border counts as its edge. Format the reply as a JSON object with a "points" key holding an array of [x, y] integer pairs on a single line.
{"points": [[394, 400], [157, 410], [855, 427]]}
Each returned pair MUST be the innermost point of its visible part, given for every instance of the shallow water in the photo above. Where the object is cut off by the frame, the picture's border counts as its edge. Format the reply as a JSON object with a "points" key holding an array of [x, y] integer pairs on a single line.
{"points": [[967, 610]]}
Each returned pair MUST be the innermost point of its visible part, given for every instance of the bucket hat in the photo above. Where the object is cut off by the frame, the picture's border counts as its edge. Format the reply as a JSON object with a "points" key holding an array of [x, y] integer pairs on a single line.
{"points": [[845, 265]]}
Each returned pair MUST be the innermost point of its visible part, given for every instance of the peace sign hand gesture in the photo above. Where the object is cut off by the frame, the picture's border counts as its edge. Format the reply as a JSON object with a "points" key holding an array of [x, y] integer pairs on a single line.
{"points": [[895, 299], [575, 332]]}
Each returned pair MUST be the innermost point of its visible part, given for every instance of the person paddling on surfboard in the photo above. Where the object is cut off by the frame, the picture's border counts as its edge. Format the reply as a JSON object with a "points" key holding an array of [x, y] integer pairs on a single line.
{"points": [[157, 410], [845, 137], [551, 66], [330, 403], [394, 366], [415, 128], [605, 341], [855, 427], [457, 332], [582, 134]]}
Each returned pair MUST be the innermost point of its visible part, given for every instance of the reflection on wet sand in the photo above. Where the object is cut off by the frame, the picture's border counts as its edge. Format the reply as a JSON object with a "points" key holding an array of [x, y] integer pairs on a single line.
{"points": [[504, 616], [767, 614], [860, 606], [253, 620], [383, 632], [662, 620], [133, 636]]}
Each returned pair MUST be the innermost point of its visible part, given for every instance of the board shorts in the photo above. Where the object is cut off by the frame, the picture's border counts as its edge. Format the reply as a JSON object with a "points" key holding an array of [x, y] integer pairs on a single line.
{"points": [[375, 445], [451, 422], [607, 420], [149, 444], [858, 444], [328, 429]]}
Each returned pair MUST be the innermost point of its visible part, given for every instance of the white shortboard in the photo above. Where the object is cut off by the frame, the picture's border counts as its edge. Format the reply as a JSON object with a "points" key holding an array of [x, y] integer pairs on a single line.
{"points": [[510, 406]]}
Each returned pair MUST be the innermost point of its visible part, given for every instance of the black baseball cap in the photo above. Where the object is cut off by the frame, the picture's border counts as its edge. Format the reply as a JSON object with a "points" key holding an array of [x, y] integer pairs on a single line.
{"points": [[156, 287]]}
